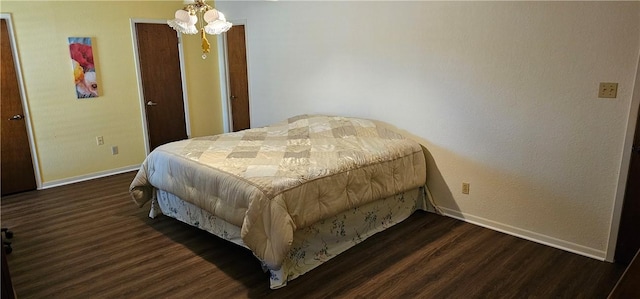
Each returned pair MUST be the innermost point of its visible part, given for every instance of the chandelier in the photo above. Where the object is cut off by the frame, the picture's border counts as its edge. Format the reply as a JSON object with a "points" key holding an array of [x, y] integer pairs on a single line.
{"points": [[195, 12]]}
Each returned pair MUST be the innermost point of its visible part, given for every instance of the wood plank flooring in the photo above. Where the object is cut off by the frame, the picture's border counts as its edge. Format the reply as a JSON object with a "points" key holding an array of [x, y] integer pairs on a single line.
{"points": [[89, 240]]}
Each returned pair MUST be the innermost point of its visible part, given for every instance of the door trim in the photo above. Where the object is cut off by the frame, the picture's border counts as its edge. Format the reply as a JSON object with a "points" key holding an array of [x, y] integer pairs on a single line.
{"points": [[223, 64], [23, 98], [616, 215], [223, 70], [185, 99]]}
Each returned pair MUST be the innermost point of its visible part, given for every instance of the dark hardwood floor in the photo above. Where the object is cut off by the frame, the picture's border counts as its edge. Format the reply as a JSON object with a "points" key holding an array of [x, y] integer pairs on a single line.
{"points": [[89, 240]]}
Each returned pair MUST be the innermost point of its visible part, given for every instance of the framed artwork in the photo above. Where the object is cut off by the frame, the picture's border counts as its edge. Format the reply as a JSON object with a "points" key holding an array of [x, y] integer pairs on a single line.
{"points": [[84, 70]]}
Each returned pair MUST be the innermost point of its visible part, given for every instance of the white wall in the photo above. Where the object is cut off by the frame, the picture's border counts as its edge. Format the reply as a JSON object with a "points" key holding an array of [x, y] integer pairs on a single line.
{"points": [[502, 94]]}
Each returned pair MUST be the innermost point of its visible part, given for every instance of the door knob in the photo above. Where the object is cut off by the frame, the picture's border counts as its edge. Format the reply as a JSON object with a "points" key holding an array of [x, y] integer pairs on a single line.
{"points": [[233, 97], [16, 117], [150, 103], [635, 149]]}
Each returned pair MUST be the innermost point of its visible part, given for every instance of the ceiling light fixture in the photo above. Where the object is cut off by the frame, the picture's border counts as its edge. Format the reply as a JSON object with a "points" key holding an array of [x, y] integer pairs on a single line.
{"points": [[198, 11]]}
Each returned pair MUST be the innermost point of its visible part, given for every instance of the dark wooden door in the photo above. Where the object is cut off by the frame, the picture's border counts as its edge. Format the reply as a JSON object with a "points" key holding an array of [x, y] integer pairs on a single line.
{"points": [[238, 82], [629, 232], [17, 167], [161, 83]]}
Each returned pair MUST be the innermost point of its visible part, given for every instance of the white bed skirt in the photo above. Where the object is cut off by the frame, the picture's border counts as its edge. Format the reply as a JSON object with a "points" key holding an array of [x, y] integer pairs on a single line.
{"points": [[312, 245]]}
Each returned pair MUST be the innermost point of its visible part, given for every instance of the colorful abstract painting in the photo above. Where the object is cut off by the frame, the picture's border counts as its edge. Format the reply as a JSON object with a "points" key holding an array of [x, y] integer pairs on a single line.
{"points": [[84, 70]]}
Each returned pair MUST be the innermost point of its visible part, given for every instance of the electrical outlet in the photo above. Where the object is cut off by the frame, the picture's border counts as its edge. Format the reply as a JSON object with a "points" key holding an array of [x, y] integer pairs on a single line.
{"points": [[465, 188], [99, 140], [114, 150], [608, 90]]}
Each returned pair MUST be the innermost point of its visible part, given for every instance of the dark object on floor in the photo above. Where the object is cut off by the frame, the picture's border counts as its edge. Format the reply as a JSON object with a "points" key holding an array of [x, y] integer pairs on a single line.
{"points": [[7, 244], [6, 289]]}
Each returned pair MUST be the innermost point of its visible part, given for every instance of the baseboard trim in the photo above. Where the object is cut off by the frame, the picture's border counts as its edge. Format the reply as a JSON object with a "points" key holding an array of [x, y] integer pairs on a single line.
{"points": [[526, 234], [91, 176]]}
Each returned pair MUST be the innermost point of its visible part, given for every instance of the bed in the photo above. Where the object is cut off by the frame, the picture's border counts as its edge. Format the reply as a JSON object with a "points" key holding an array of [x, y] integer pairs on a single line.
{"points": [[296, 193]]}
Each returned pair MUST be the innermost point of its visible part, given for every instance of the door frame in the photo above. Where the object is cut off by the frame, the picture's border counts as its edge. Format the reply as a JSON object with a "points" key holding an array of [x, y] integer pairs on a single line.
{"points": [[23, 98], [141, 101], [223, 65], [624, 167]]}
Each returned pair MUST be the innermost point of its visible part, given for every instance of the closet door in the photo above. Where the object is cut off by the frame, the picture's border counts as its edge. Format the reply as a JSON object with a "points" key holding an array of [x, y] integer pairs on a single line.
{"points": [[17, 166], [161, 83], [238, 82]]}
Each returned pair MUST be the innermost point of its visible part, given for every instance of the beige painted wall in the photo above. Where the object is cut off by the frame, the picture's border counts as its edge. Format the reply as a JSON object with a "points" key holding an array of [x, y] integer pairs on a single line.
{"points": [[503, 95], [65, 127]]}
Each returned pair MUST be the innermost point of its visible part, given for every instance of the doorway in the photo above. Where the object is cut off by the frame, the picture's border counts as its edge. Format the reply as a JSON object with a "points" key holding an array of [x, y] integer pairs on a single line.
{"points": [[161, 83], [238, 78], [18, 172], [627, 242]]}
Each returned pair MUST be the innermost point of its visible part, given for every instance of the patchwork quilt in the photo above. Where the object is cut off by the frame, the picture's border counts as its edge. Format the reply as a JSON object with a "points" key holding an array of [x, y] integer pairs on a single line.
{"points": [[274, 180]]}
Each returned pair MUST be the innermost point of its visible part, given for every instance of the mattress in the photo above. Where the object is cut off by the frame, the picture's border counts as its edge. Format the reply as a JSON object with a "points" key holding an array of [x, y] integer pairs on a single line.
{"points": [[276, 180]]}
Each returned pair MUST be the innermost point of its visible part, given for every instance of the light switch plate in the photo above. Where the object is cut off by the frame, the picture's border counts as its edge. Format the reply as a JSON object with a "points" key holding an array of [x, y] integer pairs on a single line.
{"points": [[608, 90]]}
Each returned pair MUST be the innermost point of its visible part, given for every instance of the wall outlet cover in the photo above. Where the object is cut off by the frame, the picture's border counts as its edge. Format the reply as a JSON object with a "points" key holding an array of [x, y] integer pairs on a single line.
{"points": [[465, 188]]}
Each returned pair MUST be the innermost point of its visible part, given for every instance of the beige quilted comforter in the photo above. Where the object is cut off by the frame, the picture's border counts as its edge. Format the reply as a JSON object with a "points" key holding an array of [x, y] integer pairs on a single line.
{"points": [[274, 180]]}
